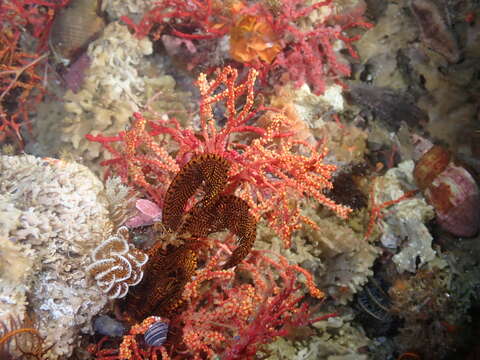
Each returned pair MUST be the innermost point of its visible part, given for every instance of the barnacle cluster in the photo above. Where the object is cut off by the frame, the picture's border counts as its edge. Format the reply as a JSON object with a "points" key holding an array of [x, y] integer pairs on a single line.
{"points": [[168, 270]]}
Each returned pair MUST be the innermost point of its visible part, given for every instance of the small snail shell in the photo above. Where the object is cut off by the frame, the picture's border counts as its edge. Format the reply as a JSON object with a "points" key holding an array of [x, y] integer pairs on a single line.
{"points": [[156, 334], [451, 190]]}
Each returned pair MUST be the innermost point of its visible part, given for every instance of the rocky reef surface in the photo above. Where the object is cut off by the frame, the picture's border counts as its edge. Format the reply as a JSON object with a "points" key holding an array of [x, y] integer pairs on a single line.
{"points": [[344, 133]]}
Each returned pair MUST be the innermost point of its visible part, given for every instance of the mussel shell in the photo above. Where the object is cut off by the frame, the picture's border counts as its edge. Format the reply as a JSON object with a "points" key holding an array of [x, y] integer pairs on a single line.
{"points": [[430, 165], [455, 196], [156, 335], [74, 27]]}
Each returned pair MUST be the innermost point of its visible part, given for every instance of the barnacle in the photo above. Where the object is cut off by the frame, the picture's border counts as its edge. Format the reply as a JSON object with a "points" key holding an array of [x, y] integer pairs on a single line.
{"points": [[373, 301], [156, 333], [73, 28], [117, 264], [170, 269], [374, 309]]}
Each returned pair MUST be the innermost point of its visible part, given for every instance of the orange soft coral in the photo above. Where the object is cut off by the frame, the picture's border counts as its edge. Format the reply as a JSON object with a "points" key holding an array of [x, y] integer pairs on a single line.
{"points": [[252, 38]]}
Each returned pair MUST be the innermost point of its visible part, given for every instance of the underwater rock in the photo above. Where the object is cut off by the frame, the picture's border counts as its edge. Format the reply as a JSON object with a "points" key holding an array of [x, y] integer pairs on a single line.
{"points": [[375, 8], [131, 8], [105, 325], [54, 213], [391, 106], [435, 33], [312, 108], [346, 142], [404, 224], [338, 339], [379, 46], [344, 258]]}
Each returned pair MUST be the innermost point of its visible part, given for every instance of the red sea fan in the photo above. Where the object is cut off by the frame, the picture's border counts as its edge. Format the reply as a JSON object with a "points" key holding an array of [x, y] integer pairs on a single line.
{"points": [[308, 55], [239, 314], [234, 318], [266, 35], [188, 19], [21, 85], [271, 170]]}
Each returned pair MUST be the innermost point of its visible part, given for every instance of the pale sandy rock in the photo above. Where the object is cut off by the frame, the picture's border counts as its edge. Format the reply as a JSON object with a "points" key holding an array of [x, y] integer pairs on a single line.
{"points": [[54, 213]]}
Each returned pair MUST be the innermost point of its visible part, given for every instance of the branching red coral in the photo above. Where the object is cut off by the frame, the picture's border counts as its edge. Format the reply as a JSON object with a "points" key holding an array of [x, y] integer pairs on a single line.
{"points": [[19, 81], [270, 170], [194, 19], [21, 86], [234, 318], [140, 160], [36, 16], [265, 35], [130, 348], [308, 56]]}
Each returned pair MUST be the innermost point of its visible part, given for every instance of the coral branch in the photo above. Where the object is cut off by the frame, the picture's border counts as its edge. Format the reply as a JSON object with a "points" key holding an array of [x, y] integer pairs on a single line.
{"points": [[376, 210], [270, 169], [235, 317], [20, 85], [265, 35]]}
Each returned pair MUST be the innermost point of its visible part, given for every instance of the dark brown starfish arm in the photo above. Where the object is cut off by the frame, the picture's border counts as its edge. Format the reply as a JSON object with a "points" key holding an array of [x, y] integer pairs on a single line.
{"points": [[211, 170], [160, 291], [233, 214]]}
